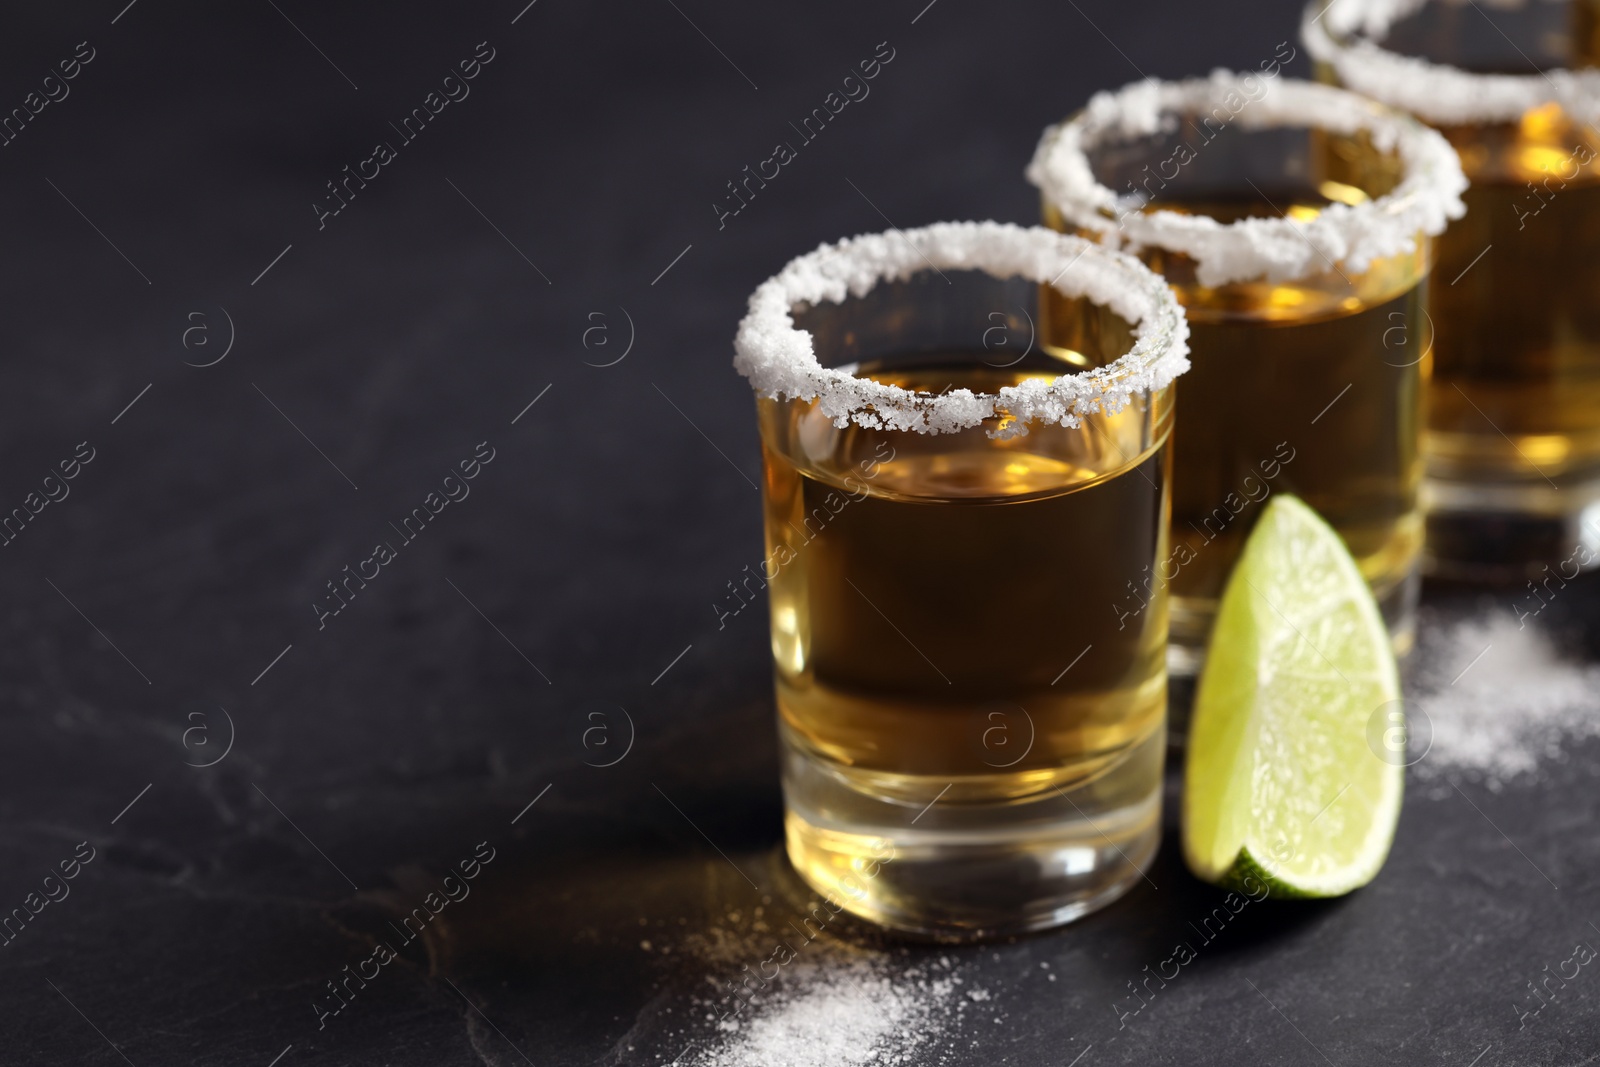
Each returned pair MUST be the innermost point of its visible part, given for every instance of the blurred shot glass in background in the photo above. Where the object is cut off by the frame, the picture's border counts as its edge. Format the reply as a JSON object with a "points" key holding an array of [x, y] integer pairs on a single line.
{"points": [[971, 739], [1293, 221], [1513, 434]]}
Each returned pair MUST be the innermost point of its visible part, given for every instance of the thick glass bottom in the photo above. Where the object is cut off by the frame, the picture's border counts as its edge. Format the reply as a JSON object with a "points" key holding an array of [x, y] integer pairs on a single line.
{"points": [[1511, 530], [976, 868]]}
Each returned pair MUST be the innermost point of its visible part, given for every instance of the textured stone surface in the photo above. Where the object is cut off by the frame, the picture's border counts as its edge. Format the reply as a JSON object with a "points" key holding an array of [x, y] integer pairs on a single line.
{"points": [[458, 686]]}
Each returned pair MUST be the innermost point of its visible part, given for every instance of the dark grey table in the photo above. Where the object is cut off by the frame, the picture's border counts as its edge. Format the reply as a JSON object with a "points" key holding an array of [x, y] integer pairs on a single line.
{"points": [[537, 275]]}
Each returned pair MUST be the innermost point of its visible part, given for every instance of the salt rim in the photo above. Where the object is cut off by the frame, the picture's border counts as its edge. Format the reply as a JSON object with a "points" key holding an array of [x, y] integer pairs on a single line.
{"points": [[781, 362], [1280, 249], [1345, 34]]}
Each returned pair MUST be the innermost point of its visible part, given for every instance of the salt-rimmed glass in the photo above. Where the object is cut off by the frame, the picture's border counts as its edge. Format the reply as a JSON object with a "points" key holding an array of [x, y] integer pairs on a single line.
{"points": [[1293, 222], [971, 740], [1513, 438]]}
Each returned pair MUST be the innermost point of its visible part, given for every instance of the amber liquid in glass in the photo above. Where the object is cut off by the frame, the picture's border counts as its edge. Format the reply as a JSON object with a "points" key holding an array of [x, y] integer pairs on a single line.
{"points": [[1312, 387], [945, 631], [1512, 442], [1516, 393]]}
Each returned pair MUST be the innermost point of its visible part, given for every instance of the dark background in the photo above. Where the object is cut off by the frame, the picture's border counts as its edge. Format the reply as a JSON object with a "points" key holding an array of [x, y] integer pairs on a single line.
{"points": [[458, 686]]}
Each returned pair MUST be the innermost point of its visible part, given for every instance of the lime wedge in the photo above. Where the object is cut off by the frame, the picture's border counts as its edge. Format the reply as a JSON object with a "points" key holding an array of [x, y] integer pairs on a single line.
{"points": [[1282, 785]]}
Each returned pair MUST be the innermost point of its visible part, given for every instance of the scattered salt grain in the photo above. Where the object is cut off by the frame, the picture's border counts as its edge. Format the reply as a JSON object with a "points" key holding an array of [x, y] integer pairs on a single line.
{"points": [[828, 1011], [1496, 700]]}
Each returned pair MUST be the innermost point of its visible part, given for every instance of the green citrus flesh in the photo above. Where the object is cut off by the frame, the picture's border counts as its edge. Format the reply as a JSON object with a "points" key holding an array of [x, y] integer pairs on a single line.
{"points": [[1280, 783]]}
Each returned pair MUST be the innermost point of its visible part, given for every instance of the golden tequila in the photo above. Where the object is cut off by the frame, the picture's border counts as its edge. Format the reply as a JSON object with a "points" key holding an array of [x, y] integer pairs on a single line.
{"points": [[1514, 411], [1512, 441], [971, 733], [1312, 387], [1292, 221], [944, 639]]}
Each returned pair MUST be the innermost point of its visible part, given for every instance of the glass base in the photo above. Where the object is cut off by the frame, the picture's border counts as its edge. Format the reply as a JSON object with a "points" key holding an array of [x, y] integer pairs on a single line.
{"points": [[1192, 619], [1509, 531], [972, 869]]}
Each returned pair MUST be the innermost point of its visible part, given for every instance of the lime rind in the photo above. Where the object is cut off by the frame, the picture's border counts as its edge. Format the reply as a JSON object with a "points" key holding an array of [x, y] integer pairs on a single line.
{"points": [[1248, 876], [1280, 783]]}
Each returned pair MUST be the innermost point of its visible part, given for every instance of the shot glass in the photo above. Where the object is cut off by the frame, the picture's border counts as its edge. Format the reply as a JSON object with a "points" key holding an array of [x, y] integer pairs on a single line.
{"points": [[1512, 445], [1293, 221], [971, 742]]}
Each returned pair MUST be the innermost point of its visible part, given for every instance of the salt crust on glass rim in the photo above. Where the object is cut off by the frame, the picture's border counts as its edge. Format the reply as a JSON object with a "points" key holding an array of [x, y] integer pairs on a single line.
{"points": [[1278, 249], [781, 362], [1345, 34]]}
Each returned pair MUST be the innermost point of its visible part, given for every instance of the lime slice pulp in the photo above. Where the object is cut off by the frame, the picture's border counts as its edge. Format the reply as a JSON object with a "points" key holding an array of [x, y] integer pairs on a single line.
{"points": [[1281, 783]]}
